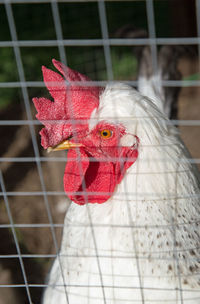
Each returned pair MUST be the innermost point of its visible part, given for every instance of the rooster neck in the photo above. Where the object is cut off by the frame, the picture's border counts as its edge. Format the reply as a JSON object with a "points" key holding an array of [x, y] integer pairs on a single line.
{"points": [[149, 187], [138, 220]]}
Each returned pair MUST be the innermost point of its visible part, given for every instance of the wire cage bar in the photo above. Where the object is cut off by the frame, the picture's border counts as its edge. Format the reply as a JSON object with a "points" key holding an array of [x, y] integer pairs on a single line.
{"points": [[13, 193]]}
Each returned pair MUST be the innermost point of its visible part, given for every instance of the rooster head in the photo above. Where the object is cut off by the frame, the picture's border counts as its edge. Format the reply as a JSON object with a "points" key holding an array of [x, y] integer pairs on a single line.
{"points": [[72, 106], [101, 148]]}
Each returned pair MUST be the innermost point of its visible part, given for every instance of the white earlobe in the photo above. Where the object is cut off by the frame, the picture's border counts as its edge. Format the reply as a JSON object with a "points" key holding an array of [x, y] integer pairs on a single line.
{"points": [[128, 140]]}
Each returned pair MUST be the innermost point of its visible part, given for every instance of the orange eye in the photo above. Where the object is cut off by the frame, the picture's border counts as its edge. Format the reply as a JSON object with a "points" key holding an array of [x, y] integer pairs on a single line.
{"points": [[106, 134]]}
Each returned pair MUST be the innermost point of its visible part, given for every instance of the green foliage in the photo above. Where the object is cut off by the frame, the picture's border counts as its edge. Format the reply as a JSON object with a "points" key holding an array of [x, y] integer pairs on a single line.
{"points": [[34, 21], [193, 77], [120, 13], [124, 64], [79, 20], [124, 67], [8, 73]]}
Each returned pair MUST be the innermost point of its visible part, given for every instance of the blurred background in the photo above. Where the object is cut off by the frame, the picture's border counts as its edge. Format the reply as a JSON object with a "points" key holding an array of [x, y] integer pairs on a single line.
{"points": [[105, 41]]}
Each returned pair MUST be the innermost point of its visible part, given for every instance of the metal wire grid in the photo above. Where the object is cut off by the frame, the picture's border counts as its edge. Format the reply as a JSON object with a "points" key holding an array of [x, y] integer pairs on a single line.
{"points": [[61, 43]]}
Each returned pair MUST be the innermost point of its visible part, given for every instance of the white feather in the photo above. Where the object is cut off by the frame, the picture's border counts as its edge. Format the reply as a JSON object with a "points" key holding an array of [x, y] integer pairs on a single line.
{"points": [[142, 245]]}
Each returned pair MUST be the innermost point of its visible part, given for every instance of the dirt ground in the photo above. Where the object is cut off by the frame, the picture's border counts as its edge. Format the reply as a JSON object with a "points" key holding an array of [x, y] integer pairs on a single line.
{"points": [[189, 109]]}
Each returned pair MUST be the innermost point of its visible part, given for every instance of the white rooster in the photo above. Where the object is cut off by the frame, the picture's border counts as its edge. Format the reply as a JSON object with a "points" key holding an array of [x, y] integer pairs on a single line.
{"points": [[131, 233]]}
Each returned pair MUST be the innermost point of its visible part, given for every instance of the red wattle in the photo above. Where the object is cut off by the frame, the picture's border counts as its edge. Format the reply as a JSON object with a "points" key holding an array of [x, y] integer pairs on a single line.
{"points": [[91, 181]]}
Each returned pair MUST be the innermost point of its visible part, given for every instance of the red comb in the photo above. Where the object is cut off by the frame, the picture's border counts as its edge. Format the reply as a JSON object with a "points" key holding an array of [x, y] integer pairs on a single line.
{"points": [[72, 101]]}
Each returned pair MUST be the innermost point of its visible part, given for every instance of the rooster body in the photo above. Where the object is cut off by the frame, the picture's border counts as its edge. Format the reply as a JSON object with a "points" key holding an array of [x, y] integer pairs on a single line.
{"points": [[140, 244]]}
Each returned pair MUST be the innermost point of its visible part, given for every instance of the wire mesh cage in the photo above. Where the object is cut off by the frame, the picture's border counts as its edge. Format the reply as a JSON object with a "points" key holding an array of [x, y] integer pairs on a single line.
{"points": [[109, 41]]}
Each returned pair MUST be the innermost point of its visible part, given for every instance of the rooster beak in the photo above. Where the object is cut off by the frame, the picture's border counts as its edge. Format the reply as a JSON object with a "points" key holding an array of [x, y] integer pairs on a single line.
{"points": [[64, 145]]}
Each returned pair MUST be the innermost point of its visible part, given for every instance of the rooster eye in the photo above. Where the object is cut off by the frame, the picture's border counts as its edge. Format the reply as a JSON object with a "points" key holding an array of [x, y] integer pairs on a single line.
{"points": [[106, 134]]}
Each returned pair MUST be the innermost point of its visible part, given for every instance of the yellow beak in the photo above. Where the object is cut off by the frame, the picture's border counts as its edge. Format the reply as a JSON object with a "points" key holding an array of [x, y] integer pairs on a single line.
{"points": [[64, 145]]}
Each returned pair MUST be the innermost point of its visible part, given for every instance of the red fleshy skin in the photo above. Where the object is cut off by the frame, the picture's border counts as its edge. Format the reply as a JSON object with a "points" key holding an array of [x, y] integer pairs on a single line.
{"points": [[72, 106], [95, 182]]}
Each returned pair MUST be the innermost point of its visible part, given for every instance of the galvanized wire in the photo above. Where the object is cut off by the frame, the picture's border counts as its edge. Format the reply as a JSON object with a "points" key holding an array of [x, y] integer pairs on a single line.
{"points": [[62, 45]]}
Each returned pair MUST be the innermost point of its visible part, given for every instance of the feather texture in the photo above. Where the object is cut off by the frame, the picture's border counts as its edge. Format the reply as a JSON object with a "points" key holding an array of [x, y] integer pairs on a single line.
{"points": [[142, 244]]}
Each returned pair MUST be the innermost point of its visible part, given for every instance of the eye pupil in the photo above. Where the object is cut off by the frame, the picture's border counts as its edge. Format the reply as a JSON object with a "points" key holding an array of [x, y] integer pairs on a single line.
{"points": [[106, 133]]}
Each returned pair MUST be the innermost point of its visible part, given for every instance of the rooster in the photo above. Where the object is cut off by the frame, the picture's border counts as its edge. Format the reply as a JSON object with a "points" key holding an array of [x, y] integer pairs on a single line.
{"points": [[131, 233]]}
